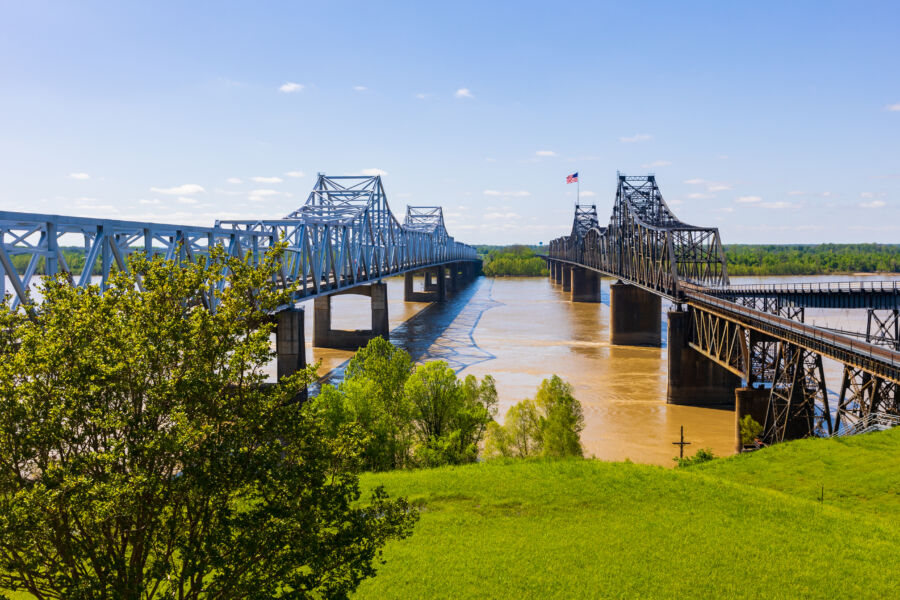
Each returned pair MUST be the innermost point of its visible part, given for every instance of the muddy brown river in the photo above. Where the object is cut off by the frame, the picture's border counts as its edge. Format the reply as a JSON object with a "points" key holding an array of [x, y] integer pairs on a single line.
{"points": [[522, 330]]}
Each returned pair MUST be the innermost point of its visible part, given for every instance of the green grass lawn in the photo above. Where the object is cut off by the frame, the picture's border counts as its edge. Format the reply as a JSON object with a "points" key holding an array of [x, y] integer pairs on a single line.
{"points": [[747, 527]]}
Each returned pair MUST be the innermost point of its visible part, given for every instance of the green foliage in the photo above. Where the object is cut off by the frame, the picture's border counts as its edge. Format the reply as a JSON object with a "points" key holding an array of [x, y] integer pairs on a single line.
{"points": [[750, 430], [412, 417], [142, 456], [517, 261], [816, 259], [592, 528], [703, 455], [550, 425]]}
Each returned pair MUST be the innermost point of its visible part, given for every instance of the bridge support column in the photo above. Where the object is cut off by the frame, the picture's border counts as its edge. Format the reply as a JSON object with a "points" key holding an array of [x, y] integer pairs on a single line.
{"points": [[558, 272], [749, 401], [290, 344], [636, 316], [567, 278], [435, 286], [585, 285], [326, 337], [452, 282], [693, 378]]}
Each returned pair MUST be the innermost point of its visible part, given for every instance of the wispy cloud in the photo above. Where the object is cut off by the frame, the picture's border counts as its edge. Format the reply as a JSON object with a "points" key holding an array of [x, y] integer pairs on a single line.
{"points": [[638, 137], [512, 193], [777, 205], [374, 172], [748, 200], [421, 96], [694, 181], [294, 174], [464, 93], [874, 204], [233, 180], [587, 194], [186, 200], [187, 189], [499, 215], [657, 163], [150, 201], [545, 153], [893, 107], [267, 179], [289, 87], [360, 88], [81, 176], [718, 187], [796, 193]]}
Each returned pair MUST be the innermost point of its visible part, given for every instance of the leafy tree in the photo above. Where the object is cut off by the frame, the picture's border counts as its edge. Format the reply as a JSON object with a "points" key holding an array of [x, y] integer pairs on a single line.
{"points": [[517, 261], [411, 417], [750, 430], [703, 455], [142, 456], [549, 425]]}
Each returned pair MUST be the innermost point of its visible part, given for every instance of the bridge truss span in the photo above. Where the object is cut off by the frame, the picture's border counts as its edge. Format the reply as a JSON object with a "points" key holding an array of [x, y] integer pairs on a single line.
{"points": [[343, 236]]}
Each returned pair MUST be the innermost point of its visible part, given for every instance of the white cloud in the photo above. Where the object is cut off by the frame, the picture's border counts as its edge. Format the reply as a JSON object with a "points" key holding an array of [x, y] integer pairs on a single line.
{"points": [[638, 137], [421, 96], [187, 189], [499, 215], [81, 176], [233, 180], [360, 88], [489, 159], [267, 179], [290, 87], [776, 205], [185, 200], [722, 157], [718, 187], [694, 181], [748, 200], [796, 193], [295, 174], [657, 163], [464, 93], [545, 153], [515, 193], [874, 204], [727, 209], [893, 107], [867, 195], [150, 201], [374, 172]]}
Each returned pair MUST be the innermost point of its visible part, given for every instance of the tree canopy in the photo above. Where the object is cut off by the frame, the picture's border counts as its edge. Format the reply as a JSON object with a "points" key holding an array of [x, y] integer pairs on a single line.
{"points": [[142, 455]]}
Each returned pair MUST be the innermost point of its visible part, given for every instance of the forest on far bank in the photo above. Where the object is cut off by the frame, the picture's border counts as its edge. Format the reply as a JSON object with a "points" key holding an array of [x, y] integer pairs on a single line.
{"points": [[743, 259]]}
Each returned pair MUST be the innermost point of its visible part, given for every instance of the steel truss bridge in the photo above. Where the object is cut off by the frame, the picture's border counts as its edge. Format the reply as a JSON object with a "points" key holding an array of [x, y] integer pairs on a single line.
{"points": [[755, 332], [345, 235]]}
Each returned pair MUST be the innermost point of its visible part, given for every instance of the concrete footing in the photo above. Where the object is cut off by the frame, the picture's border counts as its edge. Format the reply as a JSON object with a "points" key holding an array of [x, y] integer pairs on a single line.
{"points": [[749, 401], [585, 285], [635, 316], [558, 272], [435, 286], [326, 337], [693, 378], [290, 344]]}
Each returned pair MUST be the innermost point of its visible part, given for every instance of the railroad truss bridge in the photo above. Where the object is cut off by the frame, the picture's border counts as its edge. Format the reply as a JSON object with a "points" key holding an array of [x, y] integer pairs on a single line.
{"points": [[343, 240], [745, 345]]}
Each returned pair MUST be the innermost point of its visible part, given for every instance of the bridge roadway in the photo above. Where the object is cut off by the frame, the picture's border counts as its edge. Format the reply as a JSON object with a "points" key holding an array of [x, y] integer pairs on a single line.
{"points": [[741, 345], [343, 240]]}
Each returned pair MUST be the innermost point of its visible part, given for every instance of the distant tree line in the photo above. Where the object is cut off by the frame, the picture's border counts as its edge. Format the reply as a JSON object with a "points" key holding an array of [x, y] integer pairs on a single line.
{"points": [[819, 259], [514, 261]]}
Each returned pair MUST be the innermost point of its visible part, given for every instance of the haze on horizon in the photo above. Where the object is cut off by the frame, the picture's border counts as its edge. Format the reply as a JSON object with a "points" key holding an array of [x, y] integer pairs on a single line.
{"points": [[777, 123]]}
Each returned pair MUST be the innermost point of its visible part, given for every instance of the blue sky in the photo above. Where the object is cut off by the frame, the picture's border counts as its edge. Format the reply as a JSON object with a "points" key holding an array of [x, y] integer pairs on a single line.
{"points": [[777, 122]]}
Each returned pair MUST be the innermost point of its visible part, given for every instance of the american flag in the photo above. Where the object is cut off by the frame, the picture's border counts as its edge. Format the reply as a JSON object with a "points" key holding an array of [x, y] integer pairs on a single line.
{"points": [[573, 178]]}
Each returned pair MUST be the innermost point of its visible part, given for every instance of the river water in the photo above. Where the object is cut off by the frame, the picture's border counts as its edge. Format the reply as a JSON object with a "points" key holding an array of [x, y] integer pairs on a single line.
{"points": [[523, 330]]}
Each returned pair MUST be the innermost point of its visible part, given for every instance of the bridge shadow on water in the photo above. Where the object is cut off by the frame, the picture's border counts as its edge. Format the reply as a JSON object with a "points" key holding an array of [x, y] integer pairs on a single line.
{"points": [[441, 331]]}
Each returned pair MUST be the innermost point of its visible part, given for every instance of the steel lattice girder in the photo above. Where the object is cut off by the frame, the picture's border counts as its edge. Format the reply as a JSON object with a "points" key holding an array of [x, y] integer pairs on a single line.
{"points": [[344, 235]]}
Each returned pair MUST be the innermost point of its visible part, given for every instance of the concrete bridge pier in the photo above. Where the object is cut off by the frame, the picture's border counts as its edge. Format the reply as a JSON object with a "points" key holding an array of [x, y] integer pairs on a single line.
{"points": [[694, 379], [585, 285], [559, 272], [567, 278], [435, 286], [290, 344], [635, 316], [326, 337], [452, 283]]}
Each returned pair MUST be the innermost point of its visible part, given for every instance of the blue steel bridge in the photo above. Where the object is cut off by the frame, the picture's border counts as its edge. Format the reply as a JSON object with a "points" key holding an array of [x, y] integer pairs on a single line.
{"points": [[743, 345], [343, 240]]}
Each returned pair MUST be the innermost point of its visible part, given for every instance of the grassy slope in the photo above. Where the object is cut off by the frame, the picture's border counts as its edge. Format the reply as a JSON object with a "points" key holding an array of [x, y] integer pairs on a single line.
{"points": [[749, 527]]}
